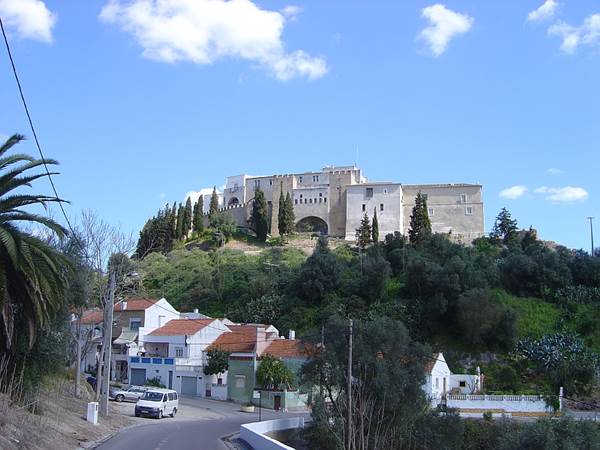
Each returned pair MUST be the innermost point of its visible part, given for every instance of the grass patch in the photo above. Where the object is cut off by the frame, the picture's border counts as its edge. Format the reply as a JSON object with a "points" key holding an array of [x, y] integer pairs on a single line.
{"points": [[535, 317]]}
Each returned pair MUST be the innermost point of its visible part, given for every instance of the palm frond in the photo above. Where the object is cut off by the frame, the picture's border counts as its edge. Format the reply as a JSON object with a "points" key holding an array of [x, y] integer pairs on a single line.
{"points": [[13, 140]]}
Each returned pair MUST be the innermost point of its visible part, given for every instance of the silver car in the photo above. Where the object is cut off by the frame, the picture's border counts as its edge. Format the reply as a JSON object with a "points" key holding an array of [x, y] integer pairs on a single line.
{"points": [[130, 394]]}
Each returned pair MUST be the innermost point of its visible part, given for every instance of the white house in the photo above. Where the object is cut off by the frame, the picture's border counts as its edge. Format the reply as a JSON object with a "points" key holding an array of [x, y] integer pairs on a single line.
{"points": [[174, 353], [440, 380]]}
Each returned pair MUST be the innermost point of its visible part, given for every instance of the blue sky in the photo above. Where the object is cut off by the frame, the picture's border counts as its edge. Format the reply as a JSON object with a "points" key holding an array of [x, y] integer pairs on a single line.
{"points": [[143, 101]]}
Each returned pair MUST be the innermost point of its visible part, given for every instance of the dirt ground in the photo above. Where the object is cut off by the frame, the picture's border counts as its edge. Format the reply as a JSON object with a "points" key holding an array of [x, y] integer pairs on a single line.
{"points": [[57, 422]]}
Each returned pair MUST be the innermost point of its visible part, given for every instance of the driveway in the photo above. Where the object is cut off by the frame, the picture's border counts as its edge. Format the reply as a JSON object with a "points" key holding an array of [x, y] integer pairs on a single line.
{"points": [[200, 424]]}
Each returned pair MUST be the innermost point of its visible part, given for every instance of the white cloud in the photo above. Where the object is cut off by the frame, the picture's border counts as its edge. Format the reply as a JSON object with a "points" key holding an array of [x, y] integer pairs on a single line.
{"points": [[30, 19], [291, 12], [444, 24], [513, 192], [544, 12], [555, 171], [566, 194], [572, 37], [204, 31]]}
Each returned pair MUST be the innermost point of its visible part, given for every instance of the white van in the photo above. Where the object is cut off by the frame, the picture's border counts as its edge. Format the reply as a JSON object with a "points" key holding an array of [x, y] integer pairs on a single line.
{"points": [[157, 403]]}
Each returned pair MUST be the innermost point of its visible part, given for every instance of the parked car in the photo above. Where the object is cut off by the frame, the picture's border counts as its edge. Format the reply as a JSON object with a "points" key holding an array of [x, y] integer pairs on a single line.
{"points": [[130, 394], [157, 403]]}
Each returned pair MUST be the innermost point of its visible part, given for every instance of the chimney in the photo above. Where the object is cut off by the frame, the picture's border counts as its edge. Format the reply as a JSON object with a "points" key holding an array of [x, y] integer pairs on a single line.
{"points": [[261, 340], [195, 310], [292, 335]]}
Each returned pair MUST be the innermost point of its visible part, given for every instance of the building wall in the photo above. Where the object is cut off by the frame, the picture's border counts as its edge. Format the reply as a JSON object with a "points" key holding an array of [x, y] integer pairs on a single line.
{"points": [[450, 213], [440, 372], [388, 195], [245, 367]]}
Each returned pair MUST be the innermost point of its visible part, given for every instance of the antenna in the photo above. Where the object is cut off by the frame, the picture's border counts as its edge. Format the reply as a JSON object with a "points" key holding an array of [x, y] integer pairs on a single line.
{"points": [[356, 160]]}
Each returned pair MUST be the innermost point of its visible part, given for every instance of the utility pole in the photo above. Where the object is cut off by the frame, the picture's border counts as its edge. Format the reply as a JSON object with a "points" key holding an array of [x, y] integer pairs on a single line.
{"points": [[110, 305], [78, 362], [591, 234], [349, 389]]}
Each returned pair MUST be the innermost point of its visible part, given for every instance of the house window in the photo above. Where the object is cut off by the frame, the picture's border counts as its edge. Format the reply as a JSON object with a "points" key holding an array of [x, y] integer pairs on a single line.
{"points": [[463, 198], [381, 207], [462, 383], [468, 211], [135, 323], [178, 352], [430, 211], [315, 178], [369, 192], [437, 383], [240, 381], [256, 184], [364, 207], [220, 381]]}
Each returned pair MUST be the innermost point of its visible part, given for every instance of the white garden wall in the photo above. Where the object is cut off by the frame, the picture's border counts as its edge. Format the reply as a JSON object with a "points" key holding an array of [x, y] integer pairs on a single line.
{"points": [[254, 433]]}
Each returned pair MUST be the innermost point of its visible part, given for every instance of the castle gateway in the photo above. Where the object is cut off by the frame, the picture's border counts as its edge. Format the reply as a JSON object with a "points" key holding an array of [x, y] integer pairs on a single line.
{"points": [[334, 200]]}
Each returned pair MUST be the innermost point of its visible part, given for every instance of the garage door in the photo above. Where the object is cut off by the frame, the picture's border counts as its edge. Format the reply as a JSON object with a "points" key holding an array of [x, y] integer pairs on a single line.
{"points": [[138, 377], [188, 385]]}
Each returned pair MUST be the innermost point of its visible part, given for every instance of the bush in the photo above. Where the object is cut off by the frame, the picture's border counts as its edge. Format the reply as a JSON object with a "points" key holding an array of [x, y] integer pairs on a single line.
{"points": [[154, 382]]}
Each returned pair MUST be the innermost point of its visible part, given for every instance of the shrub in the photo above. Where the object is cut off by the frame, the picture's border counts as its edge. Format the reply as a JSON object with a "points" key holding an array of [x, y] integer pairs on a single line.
{"points": [[154, 382]]}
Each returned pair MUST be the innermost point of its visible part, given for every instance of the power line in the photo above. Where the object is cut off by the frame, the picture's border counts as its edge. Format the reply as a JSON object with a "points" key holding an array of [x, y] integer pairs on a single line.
{"points": [[35, 137]]}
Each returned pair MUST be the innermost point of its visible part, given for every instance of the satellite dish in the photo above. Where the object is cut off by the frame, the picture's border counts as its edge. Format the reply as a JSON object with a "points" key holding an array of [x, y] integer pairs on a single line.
{"points": [[187, 341]]}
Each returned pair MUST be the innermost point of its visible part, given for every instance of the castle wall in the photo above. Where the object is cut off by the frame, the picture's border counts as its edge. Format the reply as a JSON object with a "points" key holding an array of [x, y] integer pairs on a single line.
{"points": [[453, 208], [367, 197]]}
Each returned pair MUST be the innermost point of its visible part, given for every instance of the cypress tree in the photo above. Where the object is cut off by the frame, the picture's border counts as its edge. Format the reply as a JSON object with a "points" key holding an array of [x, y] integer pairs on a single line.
{"points": [[505, 227], [282, 224], [179, 232], [199, 215], [173, 221], [187, 217], [420, 225], [363, 234], [290, 217], [213, 207], [259, 217], [375, 227]]}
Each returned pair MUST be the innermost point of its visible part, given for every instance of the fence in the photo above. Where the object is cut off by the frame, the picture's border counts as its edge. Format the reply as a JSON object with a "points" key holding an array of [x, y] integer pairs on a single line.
{"points": [[500, 404]]}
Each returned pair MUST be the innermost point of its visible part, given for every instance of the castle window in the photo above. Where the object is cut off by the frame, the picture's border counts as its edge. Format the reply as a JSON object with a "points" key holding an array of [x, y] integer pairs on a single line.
{"points": [[295, 201], [310, 200], [315, 178], [320, 195], [463, 198], [256, 184], [468, 211], [381, 207], [430, 211], [320, 200], [425, 196], [270, 182], [369, 192], [364, 207], [324, 199], [385, 191], [300, 195], [300, 179]]}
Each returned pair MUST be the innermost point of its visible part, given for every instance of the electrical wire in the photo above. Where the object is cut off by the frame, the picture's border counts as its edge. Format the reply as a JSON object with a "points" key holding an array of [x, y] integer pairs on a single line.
{"points": [[35, 137]]}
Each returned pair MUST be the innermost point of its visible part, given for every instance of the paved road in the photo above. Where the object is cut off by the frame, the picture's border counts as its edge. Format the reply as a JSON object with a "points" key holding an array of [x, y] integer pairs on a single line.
{"points": [[203, 433]]}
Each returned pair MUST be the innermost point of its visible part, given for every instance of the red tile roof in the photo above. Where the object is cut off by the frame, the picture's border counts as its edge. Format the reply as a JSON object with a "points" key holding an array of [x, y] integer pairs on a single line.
{"points": [[242, 339], [180, 327], [286, 348], [92, 317], [136, 304]]}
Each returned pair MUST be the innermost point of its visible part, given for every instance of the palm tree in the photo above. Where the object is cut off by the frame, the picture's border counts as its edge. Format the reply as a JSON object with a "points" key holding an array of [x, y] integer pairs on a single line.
{"points": [[32, 273]]}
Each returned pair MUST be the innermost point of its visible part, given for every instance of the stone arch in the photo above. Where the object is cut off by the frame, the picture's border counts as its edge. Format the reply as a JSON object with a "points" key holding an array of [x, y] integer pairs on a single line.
{"points": [[233, 201], [312, 224]]}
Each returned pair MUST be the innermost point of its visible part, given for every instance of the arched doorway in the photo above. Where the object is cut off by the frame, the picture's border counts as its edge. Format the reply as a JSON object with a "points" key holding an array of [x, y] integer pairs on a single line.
{"points": [[233, 201], [312, 224]]}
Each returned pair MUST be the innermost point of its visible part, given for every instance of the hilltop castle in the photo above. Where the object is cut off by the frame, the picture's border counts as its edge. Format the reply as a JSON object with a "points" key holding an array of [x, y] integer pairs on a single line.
{"points": [[333, 201]]}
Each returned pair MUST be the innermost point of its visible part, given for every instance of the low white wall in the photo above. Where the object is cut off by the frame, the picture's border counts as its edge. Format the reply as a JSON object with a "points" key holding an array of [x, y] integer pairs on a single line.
{"points": [[218, 392], [254, 433], [508, 403]]}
